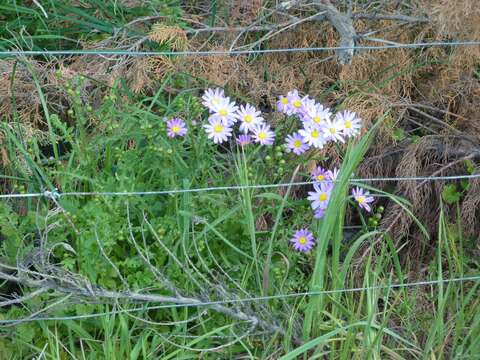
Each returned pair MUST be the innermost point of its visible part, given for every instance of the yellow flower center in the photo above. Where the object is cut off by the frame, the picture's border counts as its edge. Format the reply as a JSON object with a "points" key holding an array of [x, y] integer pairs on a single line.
{"points": [[315, 134], [332, 130], [297, 104], [248, 118], [215, 101], [175, 129], [297, 143], [348, 124], [223, 112], [317, 119], [284, 101], [262, 136], [361, 199], [218, 128], [320, 177], [302, 240], [322, 197]]}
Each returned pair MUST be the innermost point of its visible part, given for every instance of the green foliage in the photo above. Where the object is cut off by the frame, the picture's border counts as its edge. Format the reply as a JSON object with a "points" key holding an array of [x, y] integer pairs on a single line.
{"points": [[56, 25], [450, 194]]}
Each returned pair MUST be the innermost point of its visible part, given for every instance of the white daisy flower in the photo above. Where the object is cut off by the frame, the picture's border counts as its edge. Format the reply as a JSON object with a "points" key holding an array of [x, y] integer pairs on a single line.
{"points": [[212, 98], [316, 114], [217, 130], [313, 136], [249, 118], [333, 130], [351, 123], [263, 135], [226, 111]]}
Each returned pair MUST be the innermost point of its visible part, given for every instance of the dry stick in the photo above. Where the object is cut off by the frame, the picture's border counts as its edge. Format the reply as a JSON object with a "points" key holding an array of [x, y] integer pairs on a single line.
{"points": [[436, 120], [97, 293], [23, 298], [393, 17], [241, 33], [344, 25], [33, 315], [428, 107]]}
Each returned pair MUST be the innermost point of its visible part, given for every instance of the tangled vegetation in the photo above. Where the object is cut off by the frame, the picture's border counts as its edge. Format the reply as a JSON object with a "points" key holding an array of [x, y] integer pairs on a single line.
{"points": [[90, 272]]}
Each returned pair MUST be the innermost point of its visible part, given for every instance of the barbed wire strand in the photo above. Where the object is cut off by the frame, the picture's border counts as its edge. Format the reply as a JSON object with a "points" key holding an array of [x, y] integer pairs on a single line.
{"points": [[19, 53], [55, 194], [244, 300]]}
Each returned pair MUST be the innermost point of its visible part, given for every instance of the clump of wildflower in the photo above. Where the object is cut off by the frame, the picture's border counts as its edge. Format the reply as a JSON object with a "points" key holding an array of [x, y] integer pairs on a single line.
{"points": [[321, 196], [244, 140], [363, 198], [176, 127], [217, 130], [296, 144], [263, 135], [351, 124], [249, 117], [212, 98], [303, 240]]}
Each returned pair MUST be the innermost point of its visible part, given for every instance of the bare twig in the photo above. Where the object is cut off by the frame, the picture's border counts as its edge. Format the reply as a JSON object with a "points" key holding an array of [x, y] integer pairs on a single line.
{"points": [[393, 17], [23, 298]]}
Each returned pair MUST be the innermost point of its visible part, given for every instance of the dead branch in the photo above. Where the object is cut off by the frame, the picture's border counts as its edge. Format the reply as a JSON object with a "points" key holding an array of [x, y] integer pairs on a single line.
{"points": [[343, 23], [37, 273]]}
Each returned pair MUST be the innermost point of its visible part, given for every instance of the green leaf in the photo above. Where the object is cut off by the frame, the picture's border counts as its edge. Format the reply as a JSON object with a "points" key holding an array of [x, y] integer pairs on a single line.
{"points": [[450, 194]]}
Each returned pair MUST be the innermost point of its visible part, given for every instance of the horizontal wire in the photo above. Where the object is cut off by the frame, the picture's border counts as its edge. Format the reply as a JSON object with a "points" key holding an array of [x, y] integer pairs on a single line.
{"points": [[56, 194], [244, 300], [18, 53]]}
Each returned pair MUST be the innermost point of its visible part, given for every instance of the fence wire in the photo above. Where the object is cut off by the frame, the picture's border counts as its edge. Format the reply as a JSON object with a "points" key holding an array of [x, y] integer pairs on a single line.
{"points": [[244, 300], [113, 52], [56, 194]]}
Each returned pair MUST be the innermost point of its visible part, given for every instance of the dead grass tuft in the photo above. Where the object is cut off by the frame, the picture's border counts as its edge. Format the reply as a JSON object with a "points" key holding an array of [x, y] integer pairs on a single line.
{"points": [[172, 36]]}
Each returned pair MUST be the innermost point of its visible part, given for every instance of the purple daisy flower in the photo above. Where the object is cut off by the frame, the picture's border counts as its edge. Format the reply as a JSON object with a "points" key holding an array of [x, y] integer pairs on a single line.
{"points": [[363, 198], [296, 144], [176, 127], [244, 140], [303, 240], [282, 104], [320, 174], [294, 102]]}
